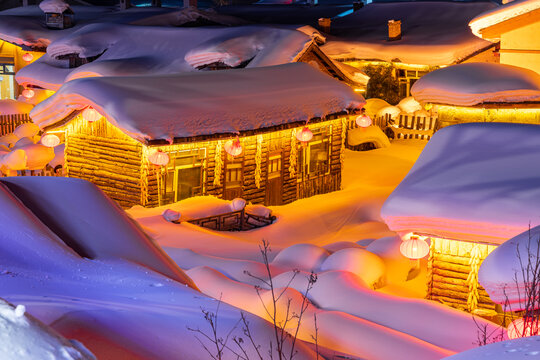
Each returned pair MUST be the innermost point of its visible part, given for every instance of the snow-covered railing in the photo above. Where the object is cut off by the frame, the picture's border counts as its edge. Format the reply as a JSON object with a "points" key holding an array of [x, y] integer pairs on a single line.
{"points": [[239, 220], [8, 123], [413, 127]]}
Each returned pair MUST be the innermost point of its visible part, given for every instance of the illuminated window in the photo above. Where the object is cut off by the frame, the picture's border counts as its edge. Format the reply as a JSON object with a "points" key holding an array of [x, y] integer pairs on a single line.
{"points": [[183, 176], [316, 155], [7, 81], [406, 79]]}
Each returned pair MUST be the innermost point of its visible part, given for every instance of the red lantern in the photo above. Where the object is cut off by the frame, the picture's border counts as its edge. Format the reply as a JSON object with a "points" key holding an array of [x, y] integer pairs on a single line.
{"points": [[90, 114], [414, 248], [50, 140], [159, 158], [305, 135], [28, 93], [363, 121], [522, 328], [233, 147], [28, 57]]}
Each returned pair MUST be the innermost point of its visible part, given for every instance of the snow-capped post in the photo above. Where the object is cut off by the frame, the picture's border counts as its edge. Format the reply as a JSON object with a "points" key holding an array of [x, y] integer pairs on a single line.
{"points": [[394, 30], [233, 147], [58, 14], [325, 24]]}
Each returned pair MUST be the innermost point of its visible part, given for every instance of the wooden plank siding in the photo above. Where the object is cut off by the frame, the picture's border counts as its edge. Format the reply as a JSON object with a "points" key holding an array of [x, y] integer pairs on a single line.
{"points": [[105, 156]]}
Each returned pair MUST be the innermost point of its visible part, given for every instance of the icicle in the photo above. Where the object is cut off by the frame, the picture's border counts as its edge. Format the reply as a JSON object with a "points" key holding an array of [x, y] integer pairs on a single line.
{"points": [[219, 164], [472, 279], [293, 157], [258, 159]]}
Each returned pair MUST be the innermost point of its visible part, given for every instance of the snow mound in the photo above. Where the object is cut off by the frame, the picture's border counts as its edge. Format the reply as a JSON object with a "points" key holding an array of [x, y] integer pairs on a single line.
{"points": [[475, 83], [372, 134], [374, 105], [518, 349], [37, 155], [367, 265], [391, 110], [53, 6], [409, 105], [284, 94], [14, 160], [500, 14], [25, 337], [397, 266], [501, 273], [91, 223], [10, 106], [306, 257], [27, 130], [473, 182]]}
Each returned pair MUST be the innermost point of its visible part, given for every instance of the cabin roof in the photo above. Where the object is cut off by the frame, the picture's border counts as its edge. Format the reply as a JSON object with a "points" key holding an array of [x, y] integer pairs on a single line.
{"points": [[473, 84], [433, 32], [172, 107], [475, 182], [490, 24]]}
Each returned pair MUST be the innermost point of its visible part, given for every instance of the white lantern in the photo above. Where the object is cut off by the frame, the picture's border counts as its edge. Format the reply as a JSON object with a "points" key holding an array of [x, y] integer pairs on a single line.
{"points": [[414, 247], [233, 147], [90, 114], [50, 140], [363, 121], [522, 328], [28, 93], [159, 158], [305, 135], [28, 57]]}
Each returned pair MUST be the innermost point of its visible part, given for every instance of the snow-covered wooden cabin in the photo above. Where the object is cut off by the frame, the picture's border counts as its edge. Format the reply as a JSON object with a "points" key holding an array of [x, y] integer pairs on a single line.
{"points": [[193, 118], [481, 92], [516, 25], [473, 187], [12, 59], [432, 34]]}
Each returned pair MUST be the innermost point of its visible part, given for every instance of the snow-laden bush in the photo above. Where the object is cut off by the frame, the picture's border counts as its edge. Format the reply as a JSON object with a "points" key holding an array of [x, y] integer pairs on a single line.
{"points": [[367, 265]]}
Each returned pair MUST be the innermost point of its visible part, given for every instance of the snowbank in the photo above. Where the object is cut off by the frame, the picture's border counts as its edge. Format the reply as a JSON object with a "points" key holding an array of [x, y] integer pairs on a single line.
{"points": [[98, 229], [500, 14], [409, 105], [373, 106], [23, 336], [501, 273], [243, 99], [372, 134], [518, 349], [471, 182], [476, 83], [10, 106], [433, 32], [366, 265], [391, 110]]}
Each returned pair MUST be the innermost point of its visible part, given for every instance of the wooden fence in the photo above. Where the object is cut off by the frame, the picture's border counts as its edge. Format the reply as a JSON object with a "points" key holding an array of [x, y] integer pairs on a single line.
{"points": [[405, 127], [8, 123]]}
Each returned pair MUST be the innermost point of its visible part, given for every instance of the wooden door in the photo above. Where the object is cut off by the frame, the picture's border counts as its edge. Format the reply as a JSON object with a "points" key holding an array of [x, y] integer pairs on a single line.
{"points": [[274, 179], [234, 177]]}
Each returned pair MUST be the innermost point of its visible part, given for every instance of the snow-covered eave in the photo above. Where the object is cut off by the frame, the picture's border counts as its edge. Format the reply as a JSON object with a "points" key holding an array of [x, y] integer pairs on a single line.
{"points": [[490, 105], [492, 24], [455, 229]]}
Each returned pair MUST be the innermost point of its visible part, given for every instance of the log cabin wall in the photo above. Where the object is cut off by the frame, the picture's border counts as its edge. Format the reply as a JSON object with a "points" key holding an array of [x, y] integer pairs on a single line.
{"points": [[453, 274], [260, 153], [102, 154], [451, 115]]}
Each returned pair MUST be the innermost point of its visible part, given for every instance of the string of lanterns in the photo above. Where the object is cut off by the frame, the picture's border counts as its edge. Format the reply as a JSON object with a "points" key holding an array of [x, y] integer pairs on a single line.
{"points": [[159, 158], [523, 327], [233, 147]]}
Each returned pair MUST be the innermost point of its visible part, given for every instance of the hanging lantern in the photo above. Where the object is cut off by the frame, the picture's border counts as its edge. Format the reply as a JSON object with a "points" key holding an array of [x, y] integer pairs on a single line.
{"points": [[28, 93], [363, 121], [305, 135], [90, 114], [50, 140], [159, 158], [518, 328], [233, 147], [28, 57], [414, 248]]}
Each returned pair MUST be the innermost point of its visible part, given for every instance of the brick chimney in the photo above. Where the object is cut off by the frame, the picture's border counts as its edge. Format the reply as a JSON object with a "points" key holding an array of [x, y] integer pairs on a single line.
{"points": [[394, 30]]}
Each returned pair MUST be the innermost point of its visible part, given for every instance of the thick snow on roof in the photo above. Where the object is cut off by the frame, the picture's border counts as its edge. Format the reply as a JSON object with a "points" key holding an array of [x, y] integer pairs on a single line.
{"points": [[475, 83], [433, 33], [10, 106], [26, 25], [205, 103], [501, 14], [134, 50], [472, 182], [53, 6]]}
